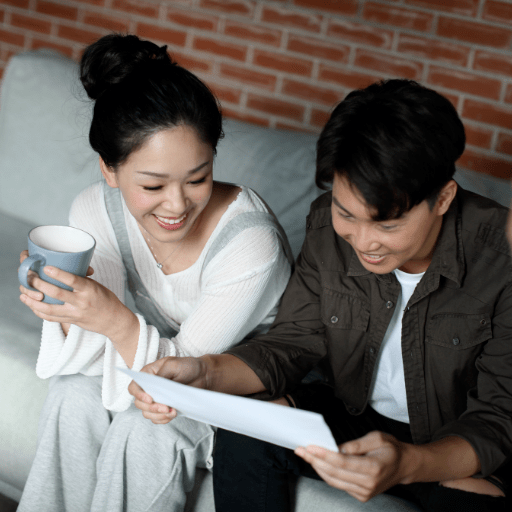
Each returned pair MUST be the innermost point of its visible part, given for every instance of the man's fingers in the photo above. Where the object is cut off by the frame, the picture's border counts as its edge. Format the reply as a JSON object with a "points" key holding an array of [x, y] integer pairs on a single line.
{"points": [[365, 444]]}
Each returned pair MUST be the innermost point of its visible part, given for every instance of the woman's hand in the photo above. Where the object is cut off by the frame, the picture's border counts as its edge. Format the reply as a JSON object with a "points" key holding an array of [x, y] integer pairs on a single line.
{"points": [[90, 305], [185, 370], [364, 467]]}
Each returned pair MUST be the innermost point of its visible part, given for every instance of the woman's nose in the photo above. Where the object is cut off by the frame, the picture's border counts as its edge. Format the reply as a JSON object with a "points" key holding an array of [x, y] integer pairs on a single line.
{"points": [[175, 201]]}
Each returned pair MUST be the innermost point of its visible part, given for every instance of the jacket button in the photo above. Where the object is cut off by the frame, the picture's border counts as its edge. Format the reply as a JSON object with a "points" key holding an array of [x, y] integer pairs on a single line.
{"points": [[389, 304], [372, 350], [334, 319], [353, 410], [482, 322], [455, 341]]}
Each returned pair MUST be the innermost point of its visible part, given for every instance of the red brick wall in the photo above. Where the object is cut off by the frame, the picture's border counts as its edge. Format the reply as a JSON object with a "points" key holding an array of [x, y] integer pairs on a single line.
{"points": [[284, 63]]}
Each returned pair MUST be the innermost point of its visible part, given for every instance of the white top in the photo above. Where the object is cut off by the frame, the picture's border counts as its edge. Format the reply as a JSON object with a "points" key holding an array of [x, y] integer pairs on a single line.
{"points": [[387, 393], [216, 306]]}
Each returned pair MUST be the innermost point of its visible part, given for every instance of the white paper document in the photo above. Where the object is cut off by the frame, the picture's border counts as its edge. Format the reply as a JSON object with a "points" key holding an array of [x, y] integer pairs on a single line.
{"points": [[269, 422]]}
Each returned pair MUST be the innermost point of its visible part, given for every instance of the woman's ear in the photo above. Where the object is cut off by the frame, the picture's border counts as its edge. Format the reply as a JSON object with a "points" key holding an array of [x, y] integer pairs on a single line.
{"points": [[446, 196], [109, 174]]}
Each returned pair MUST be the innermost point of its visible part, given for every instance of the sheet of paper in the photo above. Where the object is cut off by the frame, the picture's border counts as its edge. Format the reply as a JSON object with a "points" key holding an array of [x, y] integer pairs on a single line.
{"points": [[269, 422]]}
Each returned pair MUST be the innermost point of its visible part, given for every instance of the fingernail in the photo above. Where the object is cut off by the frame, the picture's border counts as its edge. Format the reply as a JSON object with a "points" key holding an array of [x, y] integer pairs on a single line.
{"points": [[147, 399], [49, 270]]}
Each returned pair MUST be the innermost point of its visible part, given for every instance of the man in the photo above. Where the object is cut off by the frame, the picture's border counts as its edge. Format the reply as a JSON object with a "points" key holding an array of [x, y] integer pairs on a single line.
{"points": [[403, 288]]}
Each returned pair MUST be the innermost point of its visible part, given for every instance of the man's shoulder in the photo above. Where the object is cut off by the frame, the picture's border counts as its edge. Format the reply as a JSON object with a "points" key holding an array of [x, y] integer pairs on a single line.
{"points": [[320, 212], [483, 221]]}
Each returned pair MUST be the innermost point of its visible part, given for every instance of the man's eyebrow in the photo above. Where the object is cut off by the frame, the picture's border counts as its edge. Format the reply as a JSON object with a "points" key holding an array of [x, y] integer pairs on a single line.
{"points": [[165, 175], [337, 203]]}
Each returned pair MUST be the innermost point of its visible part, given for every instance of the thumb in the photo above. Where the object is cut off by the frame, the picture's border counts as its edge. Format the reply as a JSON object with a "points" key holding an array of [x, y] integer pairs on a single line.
{"points": [[365, 444]]}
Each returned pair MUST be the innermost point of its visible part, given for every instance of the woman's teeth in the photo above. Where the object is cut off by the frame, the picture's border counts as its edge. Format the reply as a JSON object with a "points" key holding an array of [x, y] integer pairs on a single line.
{"points": [[166, 220]]}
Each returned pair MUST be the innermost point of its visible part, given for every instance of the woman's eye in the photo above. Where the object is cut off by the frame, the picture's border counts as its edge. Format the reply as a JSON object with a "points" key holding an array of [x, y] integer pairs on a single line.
{"points": [[197, 182], [153, 188]]}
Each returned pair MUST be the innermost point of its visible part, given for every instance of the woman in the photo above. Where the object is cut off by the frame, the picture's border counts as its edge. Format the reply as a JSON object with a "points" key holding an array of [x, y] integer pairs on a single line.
{"points": [[205, 262]]}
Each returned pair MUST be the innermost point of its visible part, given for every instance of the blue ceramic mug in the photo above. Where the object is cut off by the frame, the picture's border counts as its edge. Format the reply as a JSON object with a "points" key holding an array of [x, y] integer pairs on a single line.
{"points": [[64, 247]]}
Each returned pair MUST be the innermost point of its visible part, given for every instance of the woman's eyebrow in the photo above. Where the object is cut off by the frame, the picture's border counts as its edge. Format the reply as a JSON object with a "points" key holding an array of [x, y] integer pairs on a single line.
{"points": [[165, 175]]}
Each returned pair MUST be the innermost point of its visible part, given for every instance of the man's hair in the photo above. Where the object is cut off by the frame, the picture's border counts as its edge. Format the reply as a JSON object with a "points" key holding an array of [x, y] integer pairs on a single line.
{"points": [[395, 142]]}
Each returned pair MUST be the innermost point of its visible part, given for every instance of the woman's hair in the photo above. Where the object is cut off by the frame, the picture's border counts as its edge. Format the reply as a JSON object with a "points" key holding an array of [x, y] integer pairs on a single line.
{"points": [[139, 91], [395, 141]]}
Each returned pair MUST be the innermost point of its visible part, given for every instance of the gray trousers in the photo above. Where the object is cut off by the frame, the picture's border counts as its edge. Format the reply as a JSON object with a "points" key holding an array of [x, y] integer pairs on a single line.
{"points": [[90, 459]]}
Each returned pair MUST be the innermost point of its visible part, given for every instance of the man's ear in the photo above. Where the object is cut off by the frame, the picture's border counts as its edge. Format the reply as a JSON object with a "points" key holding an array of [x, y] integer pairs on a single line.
{"points": [[445, 197], [109, 174]]}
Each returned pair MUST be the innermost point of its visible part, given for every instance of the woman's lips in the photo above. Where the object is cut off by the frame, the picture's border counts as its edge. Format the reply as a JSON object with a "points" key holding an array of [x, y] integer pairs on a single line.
{"points": [[170, 224]]}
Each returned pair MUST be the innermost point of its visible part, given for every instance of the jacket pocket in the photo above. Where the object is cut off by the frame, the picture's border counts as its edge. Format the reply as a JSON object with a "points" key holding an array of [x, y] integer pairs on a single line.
{"points": [[342, 311], [458, 331]]}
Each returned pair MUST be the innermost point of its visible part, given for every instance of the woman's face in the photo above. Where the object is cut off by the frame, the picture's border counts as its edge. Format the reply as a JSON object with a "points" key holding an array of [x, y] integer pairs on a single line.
{"points": [[167, 183]]}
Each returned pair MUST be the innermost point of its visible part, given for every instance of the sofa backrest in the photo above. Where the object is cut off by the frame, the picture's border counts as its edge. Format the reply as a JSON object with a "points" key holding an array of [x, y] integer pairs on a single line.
{"points": [[46, 159]]}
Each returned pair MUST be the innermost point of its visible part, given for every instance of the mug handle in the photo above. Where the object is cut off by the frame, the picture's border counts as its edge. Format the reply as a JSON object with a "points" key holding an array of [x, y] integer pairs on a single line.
{"points": [[27, 265]]}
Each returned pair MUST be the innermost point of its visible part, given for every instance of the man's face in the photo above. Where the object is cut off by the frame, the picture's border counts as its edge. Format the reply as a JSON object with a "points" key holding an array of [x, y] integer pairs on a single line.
{"points": [[406, 243]]}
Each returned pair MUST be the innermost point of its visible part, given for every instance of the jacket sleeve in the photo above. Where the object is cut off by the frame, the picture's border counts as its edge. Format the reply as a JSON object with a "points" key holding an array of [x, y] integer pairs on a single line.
{"points": [[487, 422], [295, 342]]}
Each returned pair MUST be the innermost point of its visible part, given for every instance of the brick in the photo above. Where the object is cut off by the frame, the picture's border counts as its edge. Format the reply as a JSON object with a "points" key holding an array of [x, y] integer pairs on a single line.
{"points": [[498, 11], [77, 34], [275, 107], [431, 49], [9, 37], [136, 7], [310, 92], [402, 18], [319, 117], [108, 22], [478, 136], [361, 34], [239, 7], [191, 63], [465, 82], [226, 94], [165, 35], [283, 63], [388, 64], [497, 167], [508, 93], [93, 2], [343, 7], [57, 10], [466, 7], [2, 15], [286, 18], [31, 23], [504, 144], [494, 62], [487, 113], [346, 77], [472, 32], [230, 50], [261, 80], [40, 43], [318, 48], [248, 118], [22, 4], [193, 20], [251, 32]]}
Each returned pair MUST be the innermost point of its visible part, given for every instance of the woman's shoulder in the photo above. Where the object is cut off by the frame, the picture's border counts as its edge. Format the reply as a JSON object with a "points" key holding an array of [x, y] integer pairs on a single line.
{"points": [[239, 199], [90, 197]]}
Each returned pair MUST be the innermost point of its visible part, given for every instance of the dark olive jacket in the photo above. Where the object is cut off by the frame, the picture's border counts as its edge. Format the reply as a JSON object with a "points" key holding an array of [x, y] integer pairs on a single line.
{"points": [[456, 328]]}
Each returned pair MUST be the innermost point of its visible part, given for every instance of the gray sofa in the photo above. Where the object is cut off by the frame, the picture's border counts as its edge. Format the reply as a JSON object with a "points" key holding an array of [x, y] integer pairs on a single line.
{"points": [[45, 161]]}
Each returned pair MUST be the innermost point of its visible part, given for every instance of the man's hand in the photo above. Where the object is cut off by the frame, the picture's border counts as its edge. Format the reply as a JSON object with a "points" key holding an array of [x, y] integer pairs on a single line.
{"points": [[186, 370], [364, 467]]}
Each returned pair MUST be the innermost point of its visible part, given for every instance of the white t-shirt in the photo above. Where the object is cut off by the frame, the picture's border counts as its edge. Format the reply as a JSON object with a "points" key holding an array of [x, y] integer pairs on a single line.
{"points": [[216, 306], [387, 393]]}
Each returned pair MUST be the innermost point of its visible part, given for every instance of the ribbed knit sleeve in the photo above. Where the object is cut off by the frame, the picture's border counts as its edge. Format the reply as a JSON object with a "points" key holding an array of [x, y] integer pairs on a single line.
{"points": [[216, 305]]}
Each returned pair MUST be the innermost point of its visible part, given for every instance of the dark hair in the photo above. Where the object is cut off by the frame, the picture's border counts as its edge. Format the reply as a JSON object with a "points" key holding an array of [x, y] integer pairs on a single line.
{"points": [[395, 141], [139, 91]]}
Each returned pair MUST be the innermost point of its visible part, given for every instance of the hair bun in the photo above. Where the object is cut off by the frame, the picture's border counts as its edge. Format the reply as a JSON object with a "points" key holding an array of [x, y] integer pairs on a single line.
{"points": [[114, 57]]}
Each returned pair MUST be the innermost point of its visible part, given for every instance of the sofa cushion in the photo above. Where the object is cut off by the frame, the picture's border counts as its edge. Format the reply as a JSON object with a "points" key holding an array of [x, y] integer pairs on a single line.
{"points": [[45, 155]]}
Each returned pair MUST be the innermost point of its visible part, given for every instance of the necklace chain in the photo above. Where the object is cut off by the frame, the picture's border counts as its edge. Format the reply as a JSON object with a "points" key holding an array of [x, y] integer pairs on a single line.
{"points": [[160, 264]]}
